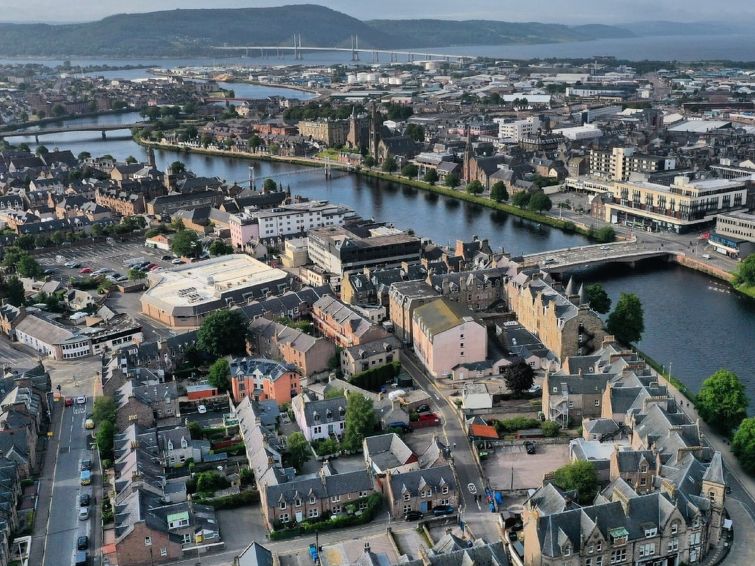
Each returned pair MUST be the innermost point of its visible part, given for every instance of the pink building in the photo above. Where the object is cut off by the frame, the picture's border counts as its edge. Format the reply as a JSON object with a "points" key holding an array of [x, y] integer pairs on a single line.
{"points": [[447, 334], [243, 230]]}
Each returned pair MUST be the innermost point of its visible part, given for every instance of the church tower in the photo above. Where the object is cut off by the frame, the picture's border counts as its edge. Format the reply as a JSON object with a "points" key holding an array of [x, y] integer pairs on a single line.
{"points": [[374, 131]]}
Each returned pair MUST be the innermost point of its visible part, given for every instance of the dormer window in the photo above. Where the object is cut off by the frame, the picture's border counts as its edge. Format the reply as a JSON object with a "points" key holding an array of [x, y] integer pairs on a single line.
{"points": [[282, 504], [444, 490], [566, 550], [651, 532], [407, 497], [644, 469], [674, 528], [297, 502]]}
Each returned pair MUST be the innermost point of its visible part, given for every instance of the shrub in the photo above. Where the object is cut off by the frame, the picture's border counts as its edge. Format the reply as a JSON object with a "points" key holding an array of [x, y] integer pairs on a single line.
{"points": [[248, 497], [550, 428], [516, 423], [374, 379]]}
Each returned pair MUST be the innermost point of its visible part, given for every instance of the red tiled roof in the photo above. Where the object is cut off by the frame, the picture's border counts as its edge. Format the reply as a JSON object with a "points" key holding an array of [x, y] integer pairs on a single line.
{"points": [[482, 431]]}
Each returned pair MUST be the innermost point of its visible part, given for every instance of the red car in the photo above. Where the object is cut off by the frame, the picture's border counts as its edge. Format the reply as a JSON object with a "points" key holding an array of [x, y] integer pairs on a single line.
{"points": [[69, 402], [85, 270], [429, 417]]}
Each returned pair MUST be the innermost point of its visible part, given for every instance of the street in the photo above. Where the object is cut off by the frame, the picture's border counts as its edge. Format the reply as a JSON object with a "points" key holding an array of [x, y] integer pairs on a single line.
{"points": [[63, 524]]}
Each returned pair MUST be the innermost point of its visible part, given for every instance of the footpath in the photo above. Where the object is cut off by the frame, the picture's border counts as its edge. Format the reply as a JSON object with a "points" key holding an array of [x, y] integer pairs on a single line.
{"points": [[46, 480]]}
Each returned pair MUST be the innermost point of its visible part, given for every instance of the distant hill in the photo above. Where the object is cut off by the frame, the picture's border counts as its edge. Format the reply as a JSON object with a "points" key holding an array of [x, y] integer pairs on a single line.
{"points": [[443, 33], [188, 32], [646, 29]]}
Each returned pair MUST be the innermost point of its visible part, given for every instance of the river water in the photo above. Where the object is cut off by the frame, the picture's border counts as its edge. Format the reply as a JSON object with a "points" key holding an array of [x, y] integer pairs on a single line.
{"points": [[692, 321]]}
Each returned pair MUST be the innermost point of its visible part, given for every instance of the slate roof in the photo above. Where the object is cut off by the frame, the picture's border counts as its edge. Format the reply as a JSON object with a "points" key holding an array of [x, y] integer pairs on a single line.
{"points": [[271, 369], [255, 555], [316, 412], [387, 451], [322, 486], [415, 481]]}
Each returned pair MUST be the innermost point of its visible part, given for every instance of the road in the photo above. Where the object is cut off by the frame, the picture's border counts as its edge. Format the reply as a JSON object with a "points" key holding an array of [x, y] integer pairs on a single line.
{"points": [[63, 524]]}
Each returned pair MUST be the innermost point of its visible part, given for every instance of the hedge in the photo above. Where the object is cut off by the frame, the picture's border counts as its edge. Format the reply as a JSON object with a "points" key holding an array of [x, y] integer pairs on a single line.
{"points": [[517, 423], [241, 499], [375, 378], [327, 523]]}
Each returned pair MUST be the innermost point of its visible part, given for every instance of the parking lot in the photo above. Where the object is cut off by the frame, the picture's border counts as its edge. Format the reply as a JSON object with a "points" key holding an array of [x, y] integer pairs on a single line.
{"points": [[510, 468], [98, 255], [16, 356]]}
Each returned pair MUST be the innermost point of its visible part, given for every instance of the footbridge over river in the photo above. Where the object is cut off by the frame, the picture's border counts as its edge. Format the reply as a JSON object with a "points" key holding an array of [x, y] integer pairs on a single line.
{"points": [[572, 259]]}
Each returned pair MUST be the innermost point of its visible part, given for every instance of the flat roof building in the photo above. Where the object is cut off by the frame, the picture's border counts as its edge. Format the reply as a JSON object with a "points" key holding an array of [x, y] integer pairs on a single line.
{"points": [[182, 297]]}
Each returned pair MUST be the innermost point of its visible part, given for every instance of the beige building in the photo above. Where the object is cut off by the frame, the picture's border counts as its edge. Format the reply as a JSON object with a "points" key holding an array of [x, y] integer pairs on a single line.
{"points": [[183, 296], [682, 207], [564, 323], [340, 323], [446, 334], [329, 132], [403, 298], [370, 355], [277, 341]]}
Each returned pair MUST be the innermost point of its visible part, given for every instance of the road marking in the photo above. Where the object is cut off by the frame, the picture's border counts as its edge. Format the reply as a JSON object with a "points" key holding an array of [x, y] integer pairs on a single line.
{"points": [[52, 489]]}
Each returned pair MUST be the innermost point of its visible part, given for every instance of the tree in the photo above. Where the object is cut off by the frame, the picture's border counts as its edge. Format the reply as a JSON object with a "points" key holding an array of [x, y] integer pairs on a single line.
{"points": [[745, 272], [360, 421], [136, 274], [389, 164], [41, 150], [211, 481], [605, 234], [270, 186], [475, 187], [219, 247], [409, 170], [743, 444], [28, 267], [105, 434], [58, 110], [539, 201], [598, 298], [185, 243], [57, 238], [368, 161], [104, 409], [550, 428], [498, 192], [220, 374], [431, 176], [519, 377], [521, 199], [722, 401], [83, 155], [627, 321], [177, 167], [25, 242], [223, 333], [452, 180], [255, 142], [298, 450], [416, 132], [13, 290], [581, 476], [131, 160], [41, 241]]}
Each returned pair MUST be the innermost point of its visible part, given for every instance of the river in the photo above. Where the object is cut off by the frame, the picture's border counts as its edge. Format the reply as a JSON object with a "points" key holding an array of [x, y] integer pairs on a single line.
{"points": [[692, 321]]}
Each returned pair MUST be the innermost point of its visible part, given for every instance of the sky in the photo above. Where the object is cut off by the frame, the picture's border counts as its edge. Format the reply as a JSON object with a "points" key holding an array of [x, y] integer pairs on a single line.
{"points": [[559, 11]]}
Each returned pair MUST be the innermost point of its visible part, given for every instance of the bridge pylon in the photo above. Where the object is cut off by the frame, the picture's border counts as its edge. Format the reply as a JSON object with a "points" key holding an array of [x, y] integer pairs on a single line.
{"points": [[355, 48]]}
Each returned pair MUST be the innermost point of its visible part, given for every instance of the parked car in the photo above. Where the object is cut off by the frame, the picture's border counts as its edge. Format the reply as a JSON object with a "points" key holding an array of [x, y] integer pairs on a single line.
{"points": [[82, 543], [535, 389], [69, 401], [85, 478], [84, 270], [529, 446], [413, 516], [177, 261], [89, 424], [443, 510], [201, 409], [81, 400], [86, 464], [82, 558], [167, 257], [83, 513], [423, 409], [429, 417], [403, 427], [84, 500]]}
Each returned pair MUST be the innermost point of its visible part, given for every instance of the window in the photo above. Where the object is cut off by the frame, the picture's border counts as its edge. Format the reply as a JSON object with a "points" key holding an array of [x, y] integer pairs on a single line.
{"points": [[597, 402], [335, 498], [282, 504], [566, 550], [164, 551], [336, 509], [598, 561], [673, 545], [643, 481], [362, 505], [599, 547], [674, 528], [186, 539], [647, 549], [407, 508], [314, 512], [147, 541], [363, 493], [407, 497], [644, 469], [590, 549], [588, 561], [312, 499], [284, 518], [618, 556], [297, 502], [712, 496], [444, 502], [444, 490]]}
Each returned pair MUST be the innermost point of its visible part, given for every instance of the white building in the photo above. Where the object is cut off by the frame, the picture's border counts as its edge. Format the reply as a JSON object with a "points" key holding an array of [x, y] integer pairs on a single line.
{"points": [[476, 396], [286, 220], [517, 129], [320, 419], [576, 133]]}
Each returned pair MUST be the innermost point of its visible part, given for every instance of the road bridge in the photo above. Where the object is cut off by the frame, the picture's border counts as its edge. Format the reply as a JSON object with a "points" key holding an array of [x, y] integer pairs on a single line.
{"points": [[102, 128], [298, 50], [571, 259]]}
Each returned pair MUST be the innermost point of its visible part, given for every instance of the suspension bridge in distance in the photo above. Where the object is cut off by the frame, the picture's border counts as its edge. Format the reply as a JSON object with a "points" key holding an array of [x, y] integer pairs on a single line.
{"points": [[356, 52]]}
